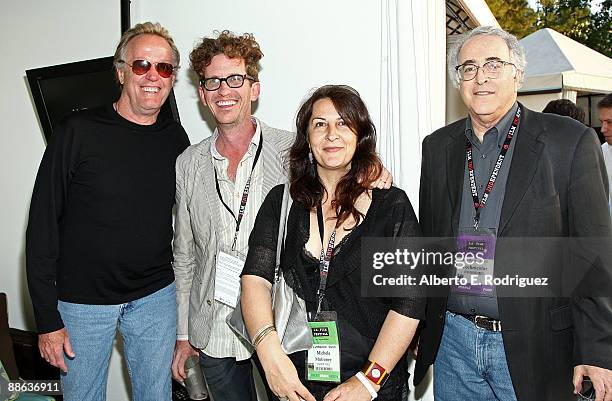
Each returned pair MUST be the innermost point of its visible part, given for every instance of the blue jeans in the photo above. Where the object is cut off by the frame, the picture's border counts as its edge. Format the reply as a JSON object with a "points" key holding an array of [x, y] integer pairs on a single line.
{"points": [[148, 328], [228, 379], [471, 364]]}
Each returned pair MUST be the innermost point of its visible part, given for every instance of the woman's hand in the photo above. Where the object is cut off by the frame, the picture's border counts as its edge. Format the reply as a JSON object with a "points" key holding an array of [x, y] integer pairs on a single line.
{"points": [[283, 379], [350, 390]]}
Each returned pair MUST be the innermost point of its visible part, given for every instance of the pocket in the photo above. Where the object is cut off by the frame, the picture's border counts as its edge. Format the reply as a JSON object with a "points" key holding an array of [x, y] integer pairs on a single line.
{"points": [[547, 202], [561, 318]]}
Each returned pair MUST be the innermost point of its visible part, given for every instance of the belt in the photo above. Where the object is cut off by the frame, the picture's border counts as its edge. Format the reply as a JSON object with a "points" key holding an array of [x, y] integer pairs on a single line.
{"points": [[484, 322]]}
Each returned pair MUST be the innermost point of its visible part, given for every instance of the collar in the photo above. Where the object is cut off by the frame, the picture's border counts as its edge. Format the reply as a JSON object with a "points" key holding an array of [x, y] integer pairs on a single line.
{"points": [[503, 125], [252, 146]]}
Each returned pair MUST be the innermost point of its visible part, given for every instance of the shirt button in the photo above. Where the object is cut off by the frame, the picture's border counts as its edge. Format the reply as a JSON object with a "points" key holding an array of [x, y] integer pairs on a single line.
{"points": [[484, 156], [208, 302]]}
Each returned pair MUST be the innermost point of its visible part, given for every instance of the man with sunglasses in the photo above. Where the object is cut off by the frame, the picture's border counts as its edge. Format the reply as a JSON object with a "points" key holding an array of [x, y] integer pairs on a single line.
{"points": [[98, 241], [506, 171]]}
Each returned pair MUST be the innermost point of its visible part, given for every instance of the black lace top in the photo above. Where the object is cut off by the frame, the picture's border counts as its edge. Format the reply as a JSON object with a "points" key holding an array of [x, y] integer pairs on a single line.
{"points": [[359, 319]]}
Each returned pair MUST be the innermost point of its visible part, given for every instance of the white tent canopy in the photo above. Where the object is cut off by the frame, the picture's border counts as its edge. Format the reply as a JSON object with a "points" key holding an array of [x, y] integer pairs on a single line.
{"points": [[556, 63]]}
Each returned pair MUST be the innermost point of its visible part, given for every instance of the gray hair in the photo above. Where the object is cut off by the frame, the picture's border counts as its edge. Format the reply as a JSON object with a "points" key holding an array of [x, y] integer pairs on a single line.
{"points": [[517, 52], [145, 28]]}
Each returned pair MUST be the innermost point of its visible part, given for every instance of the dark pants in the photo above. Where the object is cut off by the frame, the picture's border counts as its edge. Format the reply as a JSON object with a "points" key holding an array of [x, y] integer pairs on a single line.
{"points": [[228, 379]]}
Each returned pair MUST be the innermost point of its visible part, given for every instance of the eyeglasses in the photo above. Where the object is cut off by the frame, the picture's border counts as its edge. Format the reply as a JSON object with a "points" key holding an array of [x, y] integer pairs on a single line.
{"points": [[141, 67], [233, 81], [491, 69]]}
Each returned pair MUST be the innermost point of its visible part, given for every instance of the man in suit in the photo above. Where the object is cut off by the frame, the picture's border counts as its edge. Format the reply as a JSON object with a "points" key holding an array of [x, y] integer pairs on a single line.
{"points": [[506, 171], [604, 107]]}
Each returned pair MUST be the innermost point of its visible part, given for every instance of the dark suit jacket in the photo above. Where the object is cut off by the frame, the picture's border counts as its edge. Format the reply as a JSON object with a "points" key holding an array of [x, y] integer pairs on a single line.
{"points": [[557, 187]]}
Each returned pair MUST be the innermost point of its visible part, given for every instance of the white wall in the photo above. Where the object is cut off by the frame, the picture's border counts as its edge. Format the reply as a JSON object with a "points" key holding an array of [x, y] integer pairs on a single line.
{"points": [[305, 45], [455, 108], [37, 34], [537, 102]]}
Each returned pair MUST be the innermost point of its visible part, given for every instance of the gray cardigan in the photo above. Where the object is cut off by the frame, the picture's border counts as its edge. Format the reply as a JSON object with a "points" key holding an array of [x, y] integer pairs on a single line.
{"points": [[195, 238]]}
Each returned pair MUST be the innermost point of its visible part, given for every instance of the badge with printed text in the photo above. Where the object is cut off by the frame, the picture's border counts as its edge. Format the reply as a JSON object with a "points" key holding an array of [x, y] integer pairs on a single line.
{"points": [[227, 277], [474, 263], [323, 361]]}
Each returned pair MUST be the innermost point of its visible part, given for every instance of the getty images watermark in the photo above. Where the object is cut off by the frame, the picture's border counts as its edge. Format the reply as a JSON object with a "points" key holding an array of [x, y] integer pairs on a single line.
{"points": [[474, 261], [507, 267]]}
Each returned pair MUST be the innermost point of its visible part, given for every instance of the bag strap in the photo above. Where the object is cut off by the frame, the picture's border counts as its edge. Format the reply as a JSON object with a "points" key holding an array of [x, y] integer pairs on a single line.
{"points": [[282, 224]]}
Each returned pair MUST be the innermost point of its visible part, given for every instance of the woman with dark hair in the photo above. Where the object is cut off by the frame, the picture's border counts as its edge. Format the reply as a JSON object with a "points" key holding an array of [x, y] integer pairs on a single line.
{"points": [[333, 162]]}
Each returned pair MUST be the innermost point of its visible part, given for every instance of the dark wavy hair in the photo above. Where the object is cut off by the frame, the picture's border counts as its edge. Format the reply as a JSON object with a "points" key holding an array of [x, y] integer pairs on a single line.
{"points": [[306, 188]]}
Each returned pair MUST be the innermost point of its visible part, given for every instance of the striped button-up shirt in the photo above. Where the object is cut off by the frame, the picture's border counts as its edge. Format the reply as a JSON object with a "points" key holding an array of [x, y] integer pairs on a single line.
{"points": [[223, 342]]}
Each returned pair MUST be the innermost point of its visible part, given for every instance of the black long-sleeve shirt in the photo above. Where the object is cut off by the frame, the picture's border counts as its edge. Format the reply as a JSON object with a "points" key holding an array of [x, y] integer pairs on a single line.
{"points": [[100, 226]]}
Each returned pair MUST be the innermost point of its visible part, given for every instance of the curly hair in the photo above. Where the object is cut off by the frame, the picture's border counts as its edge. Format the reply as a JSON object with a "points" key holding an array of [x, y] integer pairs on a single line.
{"points": [[306, 188], [145, 28], [244, 46]]}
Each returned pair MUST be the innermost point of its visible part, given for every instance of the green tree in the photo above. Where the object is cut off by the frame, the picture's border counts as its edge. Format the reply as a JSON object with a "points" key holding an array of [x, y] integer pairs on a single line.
{"points": [[515, 16], [600, 38], [572, 18]]}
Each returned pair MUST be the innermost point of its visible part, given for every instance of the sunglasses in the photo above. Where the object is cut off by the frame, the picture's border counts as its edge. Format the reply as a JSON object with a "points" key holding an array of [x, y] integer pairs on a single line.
{"points": [[141, 67]]}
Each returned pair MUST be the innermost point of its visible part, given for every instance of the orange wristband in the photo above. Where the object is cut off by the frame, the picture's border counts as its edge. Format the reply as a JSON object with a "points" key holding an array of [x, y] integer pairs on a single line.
{"points": [[375, 373]]}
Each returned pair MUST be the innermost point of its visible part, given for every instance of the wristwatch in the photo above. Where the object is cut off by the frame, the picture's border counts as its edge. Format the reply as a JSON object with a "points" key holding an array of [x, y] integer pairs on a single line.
{"points": [[375, 373]]}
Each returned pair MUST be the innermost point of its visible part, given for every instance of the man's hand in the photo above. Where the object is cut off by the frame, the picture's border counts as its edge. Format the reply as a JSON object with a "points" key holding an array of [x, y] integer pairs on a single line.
{"points": [[52, 347], [182, 351], [600, 377], [384, 181]]}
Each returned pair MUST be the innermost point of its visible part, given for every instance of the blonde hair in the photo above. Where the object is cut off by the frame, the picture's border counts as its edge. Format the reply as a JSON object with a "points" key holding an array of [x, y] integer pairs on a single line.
{"points": [[145, 28]]}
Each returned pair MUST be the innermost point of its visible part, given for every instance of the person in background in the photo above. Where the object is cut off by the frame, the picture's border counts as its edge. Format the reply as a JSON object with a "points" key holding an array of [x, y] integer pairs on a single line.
{"points": [[508, 172], [604, 107], [565, 107], [98, 242], [333, 162]]}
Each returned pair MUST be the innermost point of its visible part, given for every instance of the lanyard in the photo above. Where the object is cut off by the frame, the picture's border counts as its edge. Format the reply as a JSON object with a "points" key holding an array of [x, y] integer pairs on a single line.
{"points": [[245, 193], [325, 258], [480, 204]]}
